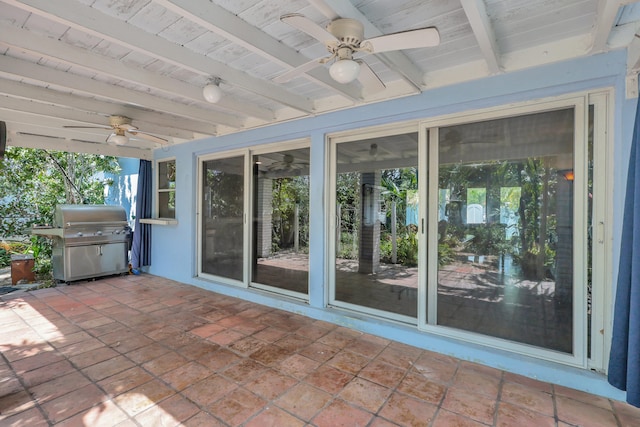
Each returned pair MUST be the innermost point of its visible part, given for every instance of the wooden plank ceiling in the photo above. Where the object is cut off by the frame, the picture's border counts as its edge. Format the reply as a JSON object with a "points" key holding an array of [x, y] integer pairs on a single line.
{"points": [[78, 62]]}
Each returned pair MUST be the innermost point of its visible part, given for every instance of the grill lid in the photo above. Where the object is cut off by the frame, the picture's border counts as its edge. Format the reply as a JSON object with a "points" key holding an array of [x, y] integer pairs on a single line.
{"points": [[80, 215]]}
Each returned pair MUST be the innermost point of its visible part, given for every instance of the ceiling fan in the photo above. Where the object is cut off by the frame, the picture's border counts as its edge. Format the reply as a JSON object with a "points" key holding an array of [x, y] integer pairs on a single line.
{"points": [[287, 163], [343, 38], [122, 126]]}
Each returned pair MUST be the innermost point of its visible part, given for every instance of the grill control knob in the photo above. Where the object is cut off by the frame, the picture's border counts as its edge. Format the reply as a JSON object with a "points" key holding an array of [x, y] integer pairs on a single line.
{"points": [[99, 233], [79, 233]]}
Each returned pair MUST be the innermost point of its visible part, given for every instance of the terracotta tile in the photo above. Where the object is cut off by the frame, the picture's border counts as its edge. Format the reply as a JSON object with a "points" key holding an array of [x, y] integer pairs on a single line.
{"points": [[130, 344], [315, 331], [270, 334], [304, 401], [29, 418], [107, 414], [165, 363], [336, 339], [197, 350], [169, 412], [81, 346], [348, 362], [329, 379], [293, 343], [273, 416], [219, 359], [147, 353], [207, 330], [381, 422], [529, 382], [143, 397], [421, 388], [186, 375], [9, 384], [92, 357], [436, 370], [270, 355], [483, 369], [39, 360], [270, 384], [400, 357], [382, 373], [365, 394], [74, 402], [202, 419], [47, 373], [449, 419], [244, 371], [108, 368], [580, 413], [249, 327], [15, 403], [407, 411], [471, 405], [226, 337], [318, 351], [59, 386], [528, 398], [125, 381], [247, 345], [209, 390], [368, 346], [237, 406], [476, 382], [340, 414], [511, 415], [628, 415], [298, 366], [581, 396]]}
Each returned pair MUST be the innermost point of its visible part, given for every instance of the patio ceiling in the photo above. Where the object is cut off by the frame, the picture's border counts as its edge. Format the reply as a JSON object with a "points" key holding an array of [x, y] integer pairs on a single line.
{"points": [[78, 62]]}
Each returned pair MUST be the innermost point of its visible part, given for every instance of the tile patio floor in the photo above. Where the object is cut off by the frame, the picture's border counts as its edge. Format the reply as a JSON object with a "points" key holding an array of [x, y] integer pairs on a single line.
{"points": [[146, 351]]}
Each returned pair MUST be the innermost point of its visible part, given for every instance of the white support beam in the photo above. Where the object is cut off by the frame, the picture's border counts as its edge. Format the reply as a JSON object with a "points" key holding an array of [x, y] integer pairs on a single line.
{"points": [[605, 18], [175, 127], [90, 20], [74, 146], [60, 51], [483, 30], [224, 23], [20, 68], [396, 61]]}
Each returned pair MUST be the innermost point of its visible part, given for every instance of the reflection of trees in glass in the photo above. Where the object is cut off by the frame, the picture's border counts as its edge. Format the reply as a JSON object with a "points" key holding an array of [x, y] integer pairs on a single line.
{"points": [[348, 203], [225, 193], [524, 189], [287, 193]]}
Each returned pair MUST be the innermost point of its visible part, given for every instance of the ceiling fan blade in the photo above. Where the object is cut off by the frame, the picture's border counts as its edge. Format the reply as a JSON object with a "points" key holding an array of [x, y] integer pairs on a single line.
{"points": [[87, 127], [369, 79], [306, 25], [149, 137], [295, 72], [425, 37], [324, 8], [127, 127]]}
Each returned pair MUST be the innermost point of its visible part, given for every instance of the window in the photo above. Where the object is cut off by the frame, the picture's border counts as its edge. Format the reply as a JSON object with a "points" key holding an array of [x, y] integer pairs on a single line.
{"points": [[167, 189]]}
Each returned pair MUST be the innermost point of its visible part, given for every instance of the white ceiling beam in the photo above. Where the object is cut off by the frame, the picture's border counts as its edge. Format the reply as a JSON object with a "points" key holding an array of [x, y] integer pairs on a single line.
{"points": [[224, 23], [483, 30], [175, 127], [21, 68], [605, 17], [74, 146], [60, 51], [92, 21], [396, 61]]}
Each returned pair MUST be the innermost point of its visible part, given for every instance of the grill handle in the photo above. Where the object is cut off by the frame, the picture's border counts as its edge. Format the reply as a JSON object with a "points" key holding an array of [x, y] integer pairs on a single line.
{"points": [[98, 223]]}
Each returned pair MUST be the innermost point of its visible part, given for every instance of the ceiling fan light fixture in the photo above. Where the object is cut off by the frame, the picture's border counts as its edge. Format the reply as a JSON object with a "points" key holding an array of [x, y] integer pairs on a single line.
{"points": [[344, 70], [118, 139], [212, 92]]}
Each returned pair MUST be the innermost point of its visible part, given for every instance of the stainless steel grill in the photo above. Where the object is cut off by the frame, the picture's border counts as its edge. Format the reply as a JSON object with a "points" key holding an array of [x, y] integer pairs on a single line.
{"points": [[88, 241]]}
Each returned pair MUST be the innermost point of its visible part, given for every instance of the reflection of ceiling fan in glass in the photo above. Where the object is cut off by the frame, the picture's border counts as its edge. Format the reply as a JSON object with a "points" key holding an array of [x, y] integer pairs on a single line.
{"points": [[288, 163]]}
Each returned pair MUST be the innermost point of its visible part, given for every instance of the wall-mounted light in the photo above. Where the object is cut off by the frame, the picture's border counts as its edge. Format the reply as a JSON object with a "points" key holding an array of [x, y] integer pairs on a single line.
{"points": [[212, 92]]}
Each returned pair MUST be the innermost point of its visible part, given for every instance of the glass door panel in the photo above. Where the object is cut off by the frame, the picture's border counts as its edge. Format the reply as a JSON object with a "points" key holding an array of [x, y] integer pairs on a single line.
{"points": [[281, 220], [505, 228], [376, 246], [222, 217]]}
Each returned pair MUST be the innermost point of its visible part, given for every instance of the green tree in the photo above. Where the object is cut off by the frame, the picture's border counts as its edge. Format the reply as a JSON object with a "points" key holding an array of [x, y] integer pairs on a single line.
{"points": [[34, 181]]}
